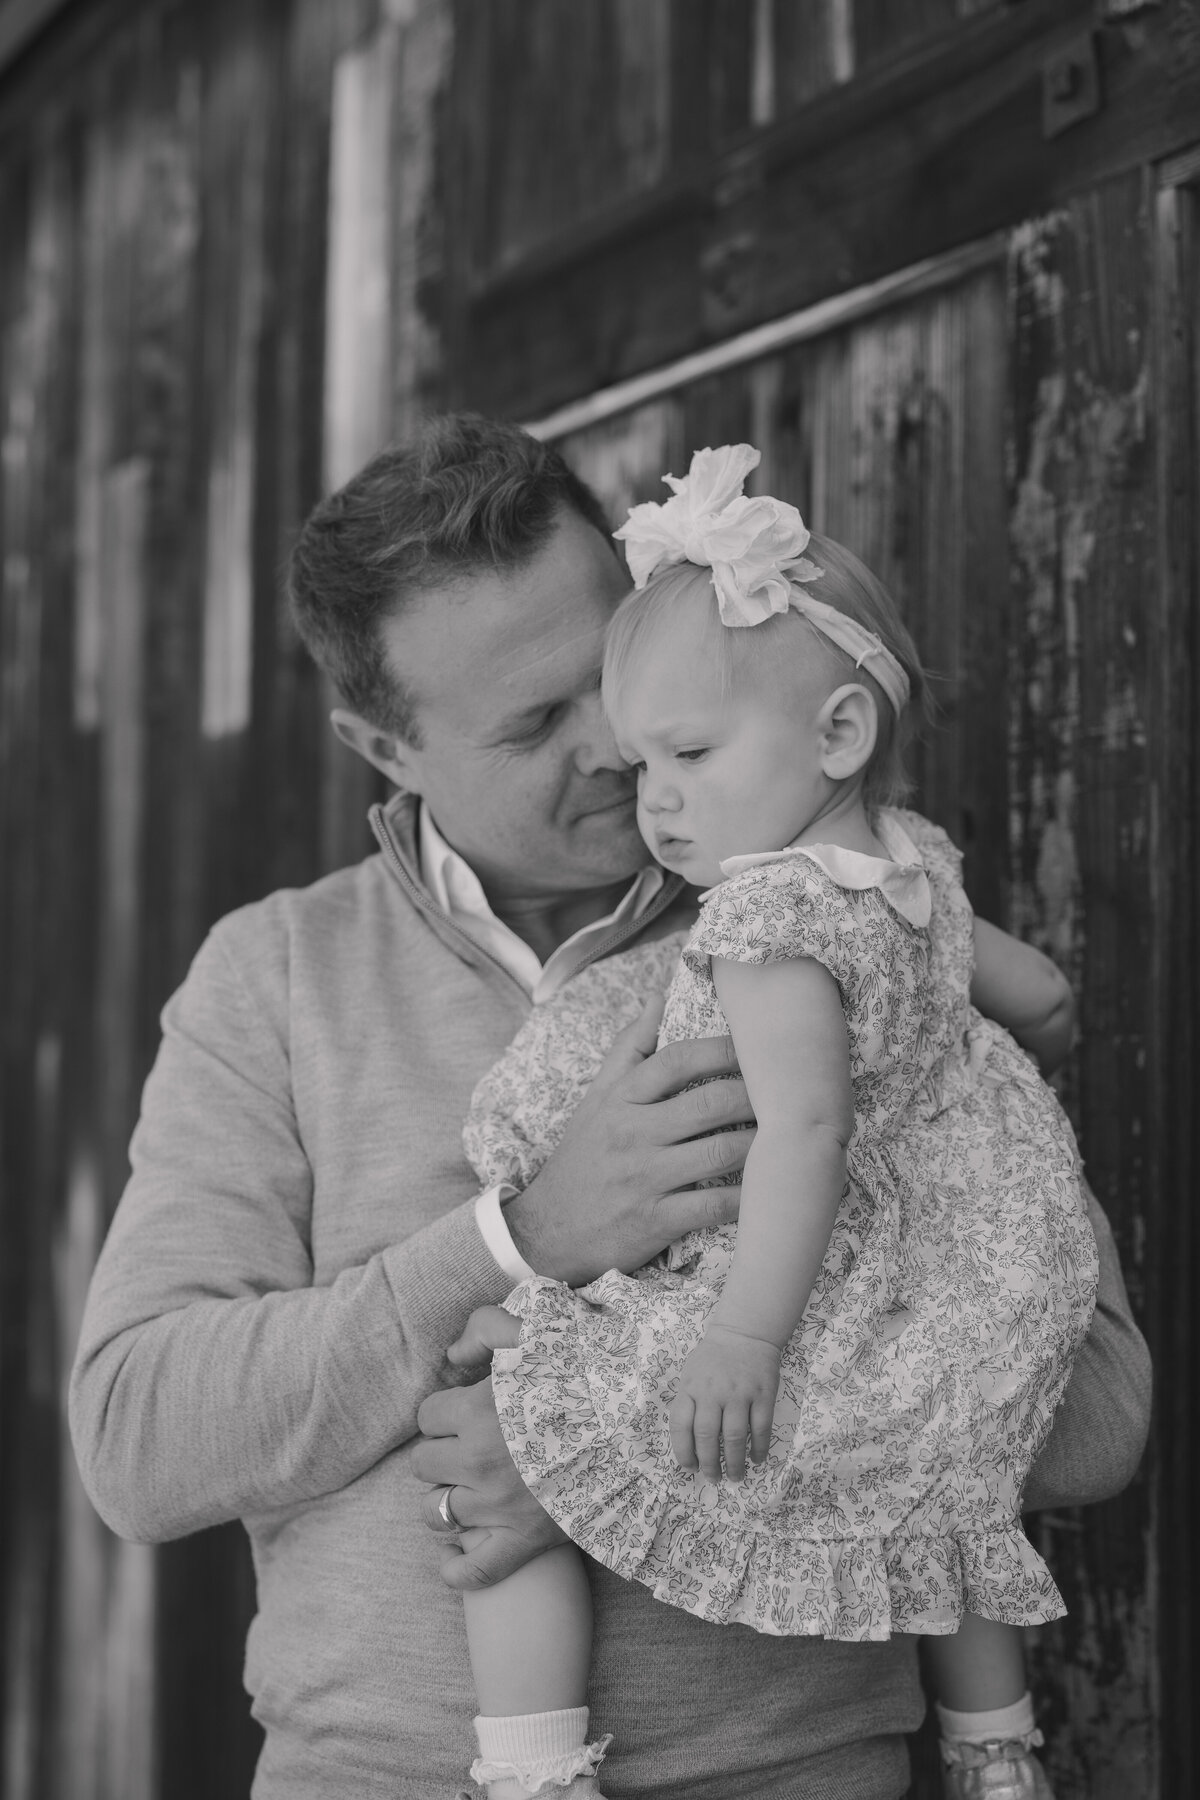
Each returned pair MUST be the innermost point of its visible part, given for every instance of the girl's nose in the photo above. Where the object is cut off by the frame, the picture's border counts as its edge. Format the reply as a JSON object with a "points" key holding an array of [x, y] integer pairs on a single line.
{"points": [[658, 794]]}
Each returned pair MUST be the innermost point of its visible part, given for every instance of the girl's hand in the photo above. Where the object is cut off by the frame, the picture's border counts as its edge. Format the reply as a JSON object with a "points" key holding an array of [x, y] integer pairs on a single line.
{"points": [[726, 1393], [488, 1328]]}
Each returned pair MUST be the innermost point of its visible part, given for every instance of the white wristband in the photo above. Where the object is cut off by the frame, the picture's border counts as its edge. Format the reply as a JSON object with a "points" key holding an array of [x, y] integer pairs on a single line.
{"points": [[489, 1216]]}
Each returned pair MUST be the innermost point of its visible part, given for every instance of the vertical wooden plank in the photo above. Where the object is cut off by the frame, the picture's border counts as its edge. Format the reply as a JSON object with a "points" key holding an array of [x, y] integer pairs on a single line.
{"points": [[736, 36], [129, 1661], [25, 1559], [358, 385], [358, 351], [625, 459], [814, 50], [237, 149], [1174, 1062], [1083, 566], [424, 58], [891, 431], [293, 747], [383, 352], [88, 1749], [590, 80], [238, 48], [171, 419]]}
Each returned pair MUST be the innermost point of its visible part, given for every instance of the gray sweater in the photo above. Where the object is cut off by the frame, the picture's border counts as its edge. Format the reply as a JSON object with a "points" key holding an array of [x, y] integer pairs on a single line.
{"points": [[296, 1248]]}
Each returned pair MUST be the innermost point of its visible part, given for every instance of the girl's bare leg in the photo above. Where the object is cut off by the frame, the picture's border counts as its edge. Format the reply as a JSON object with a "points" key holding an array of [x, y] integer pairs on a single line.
{"points": [[530, 1637], [980, 1668], [986, 1714]]}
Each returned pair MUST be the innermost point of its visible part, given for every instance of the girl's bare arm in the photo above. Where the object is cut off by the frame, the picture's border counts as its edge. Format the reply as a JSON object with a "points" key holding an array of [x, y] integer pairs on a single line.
{"points": [[1022, 990], [789, 1033]]}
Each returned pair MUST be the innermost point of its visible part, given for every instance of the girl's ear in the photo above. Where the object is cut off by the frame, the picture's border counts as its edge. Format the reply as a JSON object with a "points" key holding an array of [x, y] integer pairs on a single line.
{"points": [[849, 724]]}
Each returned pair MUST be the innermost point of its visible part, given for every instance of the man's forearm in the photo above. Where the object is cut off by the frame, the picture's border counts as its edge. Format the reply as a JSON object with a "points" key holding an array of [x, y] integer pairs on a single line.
{"points": [[222, 1408], [214, 1380], [1100, 1429]]}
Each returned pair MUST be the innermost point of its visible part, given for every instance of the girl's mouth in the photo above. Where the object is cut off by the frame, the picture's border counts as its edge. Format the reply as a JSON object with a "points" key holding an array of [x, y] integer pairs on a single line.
{"points": [[668, 846]]}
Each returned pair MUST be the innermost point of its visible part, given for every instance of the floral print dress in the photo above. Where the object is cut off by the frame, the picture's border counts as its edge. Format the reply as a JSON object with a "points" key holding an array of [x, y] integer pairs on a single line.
{"points": [[958, 1283]]}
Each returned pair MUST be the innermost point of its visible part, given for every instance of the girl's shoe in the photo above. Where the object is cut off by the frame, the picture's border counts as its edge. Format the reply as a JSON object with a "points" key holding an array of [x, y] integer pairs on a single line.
{"points": [[994, 1771]]}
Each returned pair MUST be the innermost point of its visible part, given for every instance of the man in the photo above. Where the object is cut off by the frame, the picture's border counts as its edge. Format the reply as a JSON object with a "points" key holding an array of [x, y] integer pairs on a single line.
{"points": [[301, 1238]]}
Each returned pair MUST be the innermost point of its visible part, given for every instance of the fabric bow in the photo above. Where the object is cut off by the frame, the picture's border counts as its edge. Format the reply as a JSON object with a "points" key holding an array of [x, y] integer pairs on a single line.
{"points": [[753, 544]]}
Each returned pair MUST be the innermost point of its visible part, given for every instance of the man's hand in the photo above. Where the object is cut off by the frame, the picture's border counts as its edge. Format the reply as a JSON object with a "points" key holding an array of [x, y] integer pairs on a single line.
{"points": [[621, 1185], [462, 1448], [726, 1394]]}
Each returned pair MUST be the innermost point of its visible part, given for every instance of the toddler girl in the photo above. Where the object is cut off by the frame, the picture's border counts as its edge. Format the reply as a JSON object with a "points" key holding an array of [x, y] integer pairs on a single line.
{"points": [[891, 1325]]}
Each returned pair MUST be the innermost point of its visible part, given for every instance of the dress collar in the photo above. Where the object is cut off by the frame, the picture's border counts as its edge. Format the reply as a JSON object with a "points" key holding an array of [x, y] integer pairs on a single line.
{"points": [[900, 877]]}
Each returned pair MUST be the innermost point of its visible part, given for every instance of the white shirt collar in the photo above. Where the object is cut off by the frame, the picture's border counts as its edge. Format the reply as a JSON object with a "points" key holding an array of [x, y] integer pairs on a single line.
{"points": [[459, 892]]}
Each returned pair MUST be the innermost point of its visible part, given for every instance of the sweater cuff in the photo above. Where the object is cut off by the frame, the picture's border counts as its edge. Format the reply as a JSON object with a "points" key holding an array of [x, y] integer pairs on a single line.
{"points": [[439, 1276]]}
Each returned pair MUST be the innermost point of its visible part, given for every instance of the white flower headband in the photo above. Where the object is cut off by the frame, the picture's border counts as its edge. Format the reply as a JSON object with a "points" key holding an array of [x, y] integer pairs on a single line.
{"points": [[754, 546]]}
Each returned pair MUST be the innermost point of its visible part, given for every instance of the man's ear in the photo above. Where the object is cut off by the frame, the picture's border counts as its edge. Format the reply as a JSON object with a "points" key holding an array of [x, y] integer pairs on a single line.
{"points": [[849, 725], [382, 749]]}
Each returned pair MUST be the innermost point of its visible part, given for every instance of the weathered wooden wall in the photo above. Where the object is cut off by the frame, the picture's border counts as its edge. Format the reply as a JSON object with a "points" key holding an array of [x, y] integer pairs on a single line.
{"points": [[167, 272], [240, 246]]}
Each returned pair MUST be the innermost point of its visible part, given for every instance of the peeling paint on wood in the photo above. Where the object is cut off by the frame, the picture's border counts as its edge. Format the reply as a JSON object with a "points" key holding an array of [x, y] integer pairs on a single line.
{"points": [[1083, 571]]}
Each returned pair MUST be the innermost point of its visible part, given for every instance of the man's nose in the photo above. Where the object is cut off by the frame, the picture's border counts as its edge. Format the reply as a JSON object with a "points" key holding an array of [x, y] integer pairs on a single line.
{"points": [[596, 748]]}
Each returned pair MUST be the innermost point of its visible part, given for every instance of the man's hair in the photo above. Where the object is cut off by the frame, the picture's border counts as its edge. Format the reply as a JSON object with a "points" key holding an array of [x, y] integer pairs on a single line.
{"points": [[468, 494]]}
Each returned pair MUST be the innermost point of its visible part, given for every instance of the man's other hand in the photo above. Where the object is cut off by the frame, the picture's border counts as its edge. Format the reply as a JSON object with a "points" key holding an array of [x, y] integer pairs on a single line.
{"points": [[621, 1185], [462, 1448]]}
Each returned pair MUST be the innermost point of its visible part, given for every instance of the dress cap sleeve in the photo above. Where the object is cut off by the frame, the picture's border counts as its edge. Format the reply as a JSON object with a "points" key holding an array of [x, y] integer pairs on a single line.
{"points": [[774, 912]]}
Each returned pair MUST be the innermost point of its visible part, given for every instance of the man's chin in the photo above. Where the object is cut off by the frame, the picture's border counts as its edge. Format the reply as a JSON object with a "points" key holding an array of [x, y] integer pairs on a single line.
{"points": [[610, 843]]}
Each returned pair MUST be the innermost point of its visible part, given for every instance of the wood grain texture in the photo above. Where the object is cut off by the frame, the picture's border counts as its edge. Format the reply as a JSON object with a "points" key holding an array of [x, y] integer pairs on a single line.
{"points": [[1173, 1247], [164, 215], [1084, 571], [912, 156], [986, 449]]}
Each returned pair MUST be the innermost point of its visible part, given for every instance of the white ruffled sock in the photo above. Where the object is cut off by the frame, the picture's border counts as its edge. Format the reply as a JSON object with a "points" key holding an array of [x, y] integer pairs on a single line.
{"points": [[1002, 1724], [533, 1753]]}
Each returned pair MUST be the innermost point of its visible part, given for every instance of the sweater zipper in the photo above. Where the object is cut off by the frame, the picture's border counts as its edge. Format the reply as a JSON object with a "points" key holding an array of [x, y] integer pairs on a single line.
{"points": [[425, 904], [670, 891]]}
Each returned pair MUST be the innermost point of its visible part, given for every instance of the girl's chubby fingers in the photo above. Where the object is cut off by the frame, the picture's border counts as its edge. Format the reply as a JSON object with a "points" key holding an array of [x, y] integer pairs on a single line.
{"points": [[735, 1428], [488, 1328], [680, 1419], [706, 1429], [762, 1415]]}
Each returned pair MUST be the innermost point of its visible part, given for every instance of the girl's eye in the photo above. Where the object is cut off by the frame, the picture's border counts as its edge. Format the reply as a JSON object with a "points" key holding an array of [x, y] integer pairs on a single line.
{"points": [[690, 756]]}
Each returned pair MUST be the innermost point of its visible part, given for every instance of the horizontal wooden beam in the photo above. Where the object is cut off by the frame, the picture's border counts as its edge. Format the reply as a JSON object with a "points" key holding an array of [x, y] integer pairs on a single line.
{"points": [[764, 340], [931, 154], [836, 114]]}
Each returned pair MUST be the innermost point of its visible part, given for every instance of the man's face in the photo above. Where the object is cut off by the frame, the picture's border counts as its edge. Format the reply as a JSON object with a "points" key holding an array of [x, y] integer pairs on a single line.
{"points": [[515, 761]]}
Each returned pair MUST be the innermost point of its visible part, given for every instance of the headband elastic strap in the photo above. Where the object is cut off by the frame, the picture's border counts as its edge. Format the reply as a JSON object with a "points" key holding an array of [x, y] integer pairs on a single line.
{"points": [[863, 645]]}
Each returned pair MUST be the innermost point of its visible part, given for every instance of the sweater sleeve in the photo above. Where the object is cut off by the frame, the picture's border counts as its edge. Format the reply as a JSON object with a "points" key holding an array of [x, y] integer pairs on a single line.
{"points": [[213, 1381], [1100, 1429]]}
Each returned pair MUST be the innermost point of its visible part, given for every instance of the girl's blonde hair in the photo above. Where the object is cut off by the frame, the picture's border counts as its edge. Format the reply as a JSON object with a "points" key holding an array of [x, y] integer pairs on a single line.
{"points": [[684, 592]]}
